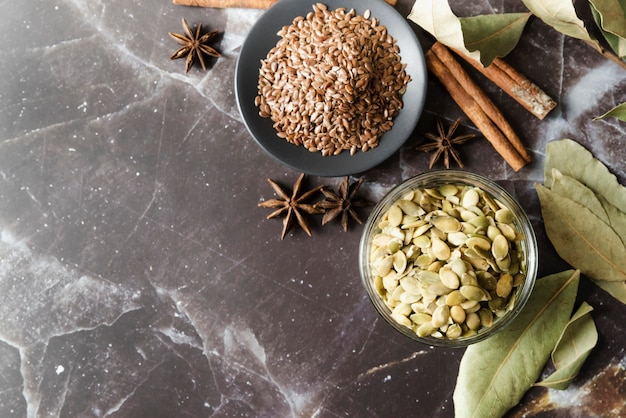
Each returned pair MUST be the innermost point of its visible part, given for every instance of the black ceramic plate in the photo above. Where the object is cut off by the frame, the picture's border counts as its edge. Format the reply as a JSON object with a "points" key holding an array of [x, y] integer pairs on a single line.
{"points": [[262, 38]]}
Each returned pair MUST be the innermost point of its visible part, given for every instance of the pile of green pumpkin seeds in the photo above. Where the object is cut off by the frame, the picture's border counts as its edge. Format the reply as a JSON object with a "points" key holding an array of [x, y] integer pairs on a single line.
{"points": [[447, 260]]}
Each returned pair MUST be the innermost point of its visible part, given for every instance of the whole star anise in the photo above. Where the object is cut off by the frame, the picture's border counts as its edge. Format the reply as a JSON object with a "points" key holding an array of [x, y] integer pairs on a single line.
{"points": [[343, 204], [443, 143], [194, 45], [291, 206]]}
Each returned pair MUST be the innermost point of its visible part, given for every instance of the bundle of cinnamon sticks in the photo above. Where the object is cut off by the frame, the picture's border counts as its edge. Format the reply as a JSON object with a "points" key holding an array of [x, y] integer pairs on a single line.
{"points": [[480, 109]]}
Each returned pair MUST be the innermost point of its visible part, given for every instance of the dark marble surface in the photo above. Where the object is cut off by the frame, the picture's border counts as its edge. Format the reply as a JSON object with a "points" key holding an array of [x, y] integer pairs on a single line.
{"points": [[138, 277]]}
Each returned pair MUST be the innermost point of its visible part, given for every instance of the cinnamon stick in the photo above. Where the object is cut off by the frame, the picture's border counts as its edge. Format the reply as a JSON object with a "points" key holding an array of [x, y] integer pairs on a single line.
{"points": [[480, 97], [475, 112], [244, 4], [516, 85]]}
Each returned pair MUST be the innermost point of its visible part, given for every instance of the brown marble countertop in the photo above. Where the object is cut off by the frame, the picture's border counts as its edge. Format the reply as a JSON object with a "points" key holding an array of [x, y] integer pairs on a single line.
{"points": [[138, 277]]}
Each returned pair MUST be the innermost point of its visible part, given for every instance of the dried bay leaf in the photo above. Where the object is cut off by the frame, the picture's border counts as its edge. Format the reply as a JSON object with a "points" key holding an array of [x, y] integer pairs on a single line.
{"points": [[579, 337], [494, 374], [617, 218], [618, 112], [482, 37], [572, 159], [561, 15], [573, 189], [612, 14], [493, 35], [581, 238], [616, 42]]}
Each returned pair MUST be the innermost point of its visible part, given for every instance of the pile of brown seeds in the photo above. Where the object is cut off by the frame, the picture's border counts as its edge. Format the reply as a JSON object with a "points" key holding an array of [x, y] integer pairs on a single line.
{"points": [[333, 82]]}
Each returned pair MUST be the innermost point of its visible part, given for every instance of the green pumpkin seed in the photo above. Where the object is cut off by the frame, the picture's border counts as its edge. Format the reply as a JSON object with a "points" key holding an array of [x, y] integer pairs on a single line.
{"points": [[508, 231], [486, 317], [486, 280], [496, 303], [458, 266], [424, 261], [457, 314], [449, 278], [401, 319], [399, 261], [505, 216], [394, 245], [505, 264], [504, 286], [467, 215], [410, 285], [480, 222], [395, 215], [421, 230], [420, 318], [441, 316], [422, 241], [479, 242], [455, 298], [410, 208], [468, 279], [425, 329], [473, 321], [457, 238], [390, 282], [409, 298], [500, 247], [446, 223], [403, 309], [440, 249], [448, 190], [454, 331], [474, 293], [470, 198], [383, 265], [493, 232]]}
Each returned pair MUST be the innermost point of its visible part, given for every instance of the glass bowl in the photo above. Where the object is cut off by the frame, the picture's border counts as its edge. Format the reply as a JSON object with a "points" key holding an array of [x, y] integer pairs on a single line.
{"points": [[492, 278]]}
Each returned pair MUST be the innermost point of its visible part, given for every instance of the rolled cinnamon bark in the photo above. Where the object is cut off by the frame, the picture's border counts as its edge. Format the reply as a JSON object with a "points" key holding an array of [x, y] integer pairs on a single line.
{"points": [[480, 97], [516, 85], [474, 111]]}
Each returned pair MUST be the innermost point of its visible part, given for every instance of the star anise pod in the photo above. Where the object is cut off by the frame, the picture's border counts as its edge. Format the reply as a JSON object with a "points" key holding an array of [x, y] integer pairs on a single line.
{"points": [[344, 203], [291, 206], [194, 45], [443, 143]]}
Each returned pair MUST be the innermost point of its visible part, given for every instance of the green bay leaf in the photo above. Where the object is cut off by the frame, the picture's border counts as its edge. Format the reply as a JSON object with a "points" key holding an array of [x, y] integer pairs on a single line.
{"points": [[572, 159], [616, 42], [618, 112], [612, 15], [494, 35], [561, 15], [575, 344], [573, 189], [482, 37], [581, 238], [494, 374], [617, 218]]}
